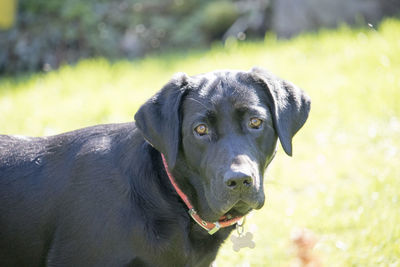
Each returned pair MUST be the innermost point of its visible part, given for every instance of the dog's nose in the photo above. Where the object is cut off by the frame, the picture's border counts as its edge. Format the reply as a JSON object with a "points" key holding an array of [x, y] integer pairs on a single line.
{"points": [[237, 180]]}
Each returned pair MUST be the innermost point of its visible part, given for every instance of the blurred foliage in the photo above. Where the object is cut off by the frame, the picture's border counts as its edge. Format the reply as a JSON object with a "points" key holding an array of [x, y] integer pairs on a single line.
{"points": [[220, 16], [50, 33]]}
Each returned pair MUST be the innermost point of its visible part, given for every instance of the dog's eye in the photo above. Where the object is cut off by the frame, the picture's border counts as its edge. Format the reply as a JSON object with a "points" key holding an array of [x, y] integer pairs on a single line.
{"points": [[201, 129], [255, 123]]}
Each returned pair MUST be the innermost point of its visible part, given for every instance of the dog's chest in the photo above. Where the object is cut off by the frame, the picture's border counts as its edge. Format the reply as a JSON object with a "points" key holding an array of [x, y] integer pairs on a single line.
{"points": [[204, 247], [192, 248]]}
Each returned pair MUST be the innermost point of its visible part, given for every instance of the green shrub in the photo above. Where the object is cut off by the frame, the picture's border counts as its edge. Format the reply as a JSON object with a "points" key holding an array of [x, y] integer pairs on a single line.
{"points": [[50, 33], [218, 16]]}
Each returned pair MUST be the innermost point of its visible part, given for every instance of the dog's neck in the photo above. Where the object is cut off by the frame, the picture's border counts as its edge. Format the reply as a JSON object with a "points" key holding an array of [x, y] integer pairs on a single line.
{"points": [[156, 195]]}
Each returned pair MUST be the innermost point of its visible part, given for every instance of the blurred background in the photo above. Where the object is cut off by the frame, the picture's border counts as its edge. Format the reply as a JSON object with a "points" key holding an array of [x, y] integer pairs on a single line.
{"points": [[41, 34], [70, 64]]}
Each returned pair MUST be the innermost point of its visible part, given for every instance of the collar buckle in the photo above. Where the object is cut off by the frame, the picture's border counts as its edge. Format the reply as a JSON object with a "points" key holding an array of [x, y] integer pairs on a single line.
{"points": [[211, 228], [215, 229]]}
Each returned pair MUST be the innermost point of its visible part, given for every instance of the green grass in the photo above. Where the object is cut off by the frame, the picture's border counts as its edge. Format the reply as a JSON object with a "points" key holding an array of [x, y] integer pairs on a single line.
{"points": [[343, 182]]}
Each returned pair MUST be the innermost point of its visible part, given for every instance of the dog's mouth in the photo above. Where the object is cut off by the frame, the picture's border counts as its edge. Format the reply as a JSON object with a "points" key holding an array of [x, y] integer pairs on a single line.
{"points": [[240, 209]]}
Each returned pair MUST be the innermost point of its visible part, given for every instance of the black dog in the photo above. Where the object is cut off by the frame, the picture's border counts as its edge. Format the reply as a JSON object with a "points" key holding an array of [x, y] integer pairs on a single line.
{"points": [[101, 196]]}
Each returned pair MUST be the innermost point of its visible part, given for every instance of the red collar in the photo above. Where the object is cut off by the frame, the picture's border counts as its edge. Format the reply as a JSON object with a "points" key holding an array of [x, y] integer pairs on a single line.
{"points": [[211, 227]]}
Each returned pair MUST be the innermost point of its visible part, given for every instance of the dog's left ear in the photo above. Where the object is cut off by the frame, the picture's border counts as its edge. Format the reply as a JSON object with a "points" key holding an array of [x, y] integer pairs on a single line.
{"points": [[289, 105], [159, 119]]}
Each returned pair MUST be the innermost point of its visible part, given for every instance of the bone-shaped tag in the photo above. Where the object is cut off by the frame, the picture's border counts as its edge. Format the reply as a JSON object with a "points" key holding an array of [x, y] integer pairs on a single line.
{"points": [[242, 241]]}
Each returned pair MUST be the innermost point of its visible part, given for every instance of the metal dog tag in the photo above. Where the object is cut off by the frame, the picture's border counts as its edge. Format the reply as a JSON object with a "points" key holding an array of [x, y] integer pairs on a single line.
{"points": [[242, 240]]}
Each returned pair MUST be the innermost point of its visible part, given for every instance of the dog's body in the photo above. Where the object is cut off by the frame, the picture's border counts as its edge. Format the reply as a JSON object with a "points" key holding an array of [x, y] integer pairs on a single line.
{"points": [[100, 196], [93, 197]]}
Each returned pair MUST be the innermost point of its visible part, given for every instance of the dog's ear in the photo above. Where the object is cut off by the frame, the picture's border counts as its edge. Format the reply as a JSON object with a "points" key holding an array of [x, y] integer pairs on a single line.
{"points": [[289, 105], [159, 119]]}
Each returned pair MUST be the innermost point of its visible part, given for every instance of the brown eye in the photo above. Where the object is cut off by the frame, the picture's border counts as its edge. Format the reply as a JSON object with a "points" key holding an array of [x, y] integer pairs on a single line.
{"points": [[201, 129], [255, 123]]}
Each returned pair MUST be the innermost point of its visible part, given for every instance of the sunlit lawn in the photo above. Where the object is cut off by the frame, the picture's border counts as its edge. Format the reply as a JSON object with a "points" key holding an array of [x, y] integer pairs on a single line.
{"points": [[343, 182]]}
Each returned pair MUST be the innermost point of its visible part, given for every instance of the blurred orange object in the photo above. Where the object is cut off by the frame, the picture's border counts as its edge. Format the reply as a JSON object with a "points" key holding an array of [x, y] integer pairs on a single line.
{"points": [[304, 241]]}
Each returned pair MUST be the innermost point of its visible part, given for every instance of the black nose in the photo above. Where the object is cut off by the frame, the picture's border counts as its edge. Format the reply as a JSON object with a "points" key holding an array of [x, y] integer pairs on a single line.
{"points": [[237, 180]]}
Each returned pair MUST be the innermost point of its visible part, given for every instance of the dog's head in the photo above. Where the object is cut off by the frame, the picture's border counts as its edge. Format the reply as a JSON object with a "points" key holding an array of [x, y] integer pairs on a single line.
{"points": [[218, 132]]}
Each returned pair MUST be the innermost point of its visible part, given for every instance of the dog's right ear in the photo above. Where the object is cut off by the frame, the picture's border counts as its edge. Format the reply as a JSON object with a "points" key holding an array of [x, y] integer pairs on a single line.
{"points": [[159, 119]]}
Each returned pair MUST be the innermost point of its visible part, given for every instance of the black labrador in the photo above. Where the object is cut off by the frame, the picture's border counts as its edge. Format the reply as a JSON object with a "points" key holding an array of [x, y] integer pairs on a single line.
{"points": [[101, 196]]}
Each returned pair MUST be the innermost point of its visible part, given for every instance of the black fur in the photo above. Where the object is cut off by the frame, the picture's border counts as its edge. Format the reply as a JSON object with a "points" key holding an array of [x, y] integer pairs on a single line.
{"points": [[100, 196]]}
